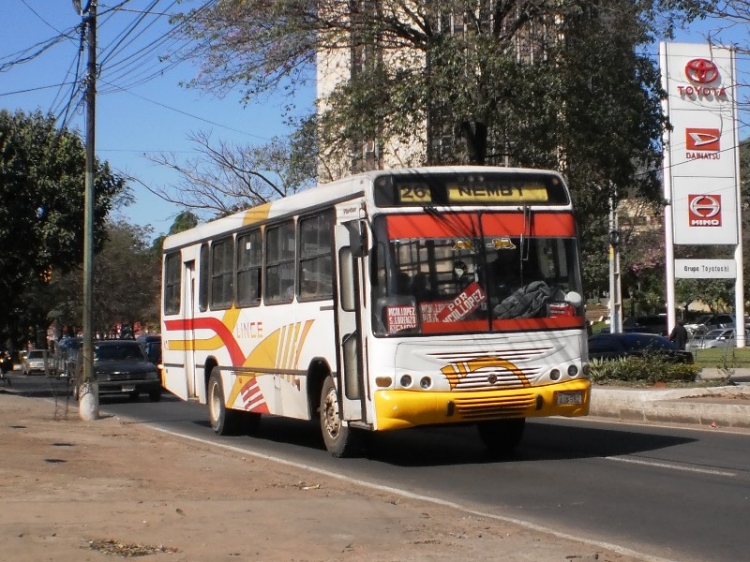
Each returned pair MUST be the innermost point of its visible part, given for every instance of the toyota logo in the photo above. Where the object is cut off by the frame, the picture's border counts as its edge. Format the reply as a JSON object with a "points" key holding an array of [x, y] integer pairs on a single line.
{"points": [[705, 206], [701, 71]]}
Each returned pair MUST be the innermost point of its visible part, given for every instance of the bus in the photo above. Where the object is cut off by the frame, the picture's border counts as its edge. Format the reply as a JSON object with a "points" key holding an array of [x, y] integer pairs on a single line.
{"points": [[388, 300]]}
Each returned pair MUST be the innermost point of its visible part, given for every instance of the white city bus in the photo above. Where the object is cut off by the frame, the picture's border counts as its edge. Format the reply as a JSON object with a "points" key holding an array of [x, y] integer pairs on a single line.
{"points": [[387, 300]]}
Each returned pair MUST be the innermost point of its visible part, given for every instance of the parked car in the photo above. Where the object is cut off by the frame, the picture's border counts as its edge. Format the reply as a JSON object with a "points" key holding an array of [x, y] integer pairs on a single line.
{"points": [[710, 322], [121, 366], [715, 338], [635, 344], [36, 362], [654, 324]]}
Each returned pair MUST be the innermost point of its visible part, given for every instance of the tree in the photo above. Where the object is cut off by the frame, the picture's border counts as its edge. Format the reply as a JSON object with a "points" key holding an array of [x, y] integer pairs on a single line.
{"points": [[560, 85], [41, 219], [184, 221], [226, 178], [127, 281]]}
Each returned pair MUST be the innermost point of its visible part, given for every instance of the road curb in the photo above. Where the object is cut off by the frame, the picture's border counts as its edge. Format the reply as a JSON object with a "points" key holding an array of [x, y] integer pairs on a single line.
{"points": [[726, 406]]}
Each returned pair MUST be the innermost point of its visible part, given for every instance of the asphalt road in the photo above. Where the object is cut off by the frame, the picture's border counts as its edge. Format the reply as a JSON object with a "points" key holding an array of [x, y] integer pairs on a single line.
{"points": [[671, 493]]}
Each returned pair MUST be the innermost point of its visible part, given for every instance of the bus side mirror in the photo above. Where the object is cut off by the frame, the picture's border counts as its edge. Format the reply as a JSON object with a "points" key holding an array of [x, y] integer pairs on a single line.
{"points": [[356, 238]]}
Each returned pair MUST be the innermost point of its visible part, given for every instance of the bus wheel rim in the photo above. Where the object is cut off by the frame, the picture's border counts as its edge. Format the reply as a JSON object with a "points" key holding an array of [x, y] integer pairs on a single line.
{"points": [[331, 419]]}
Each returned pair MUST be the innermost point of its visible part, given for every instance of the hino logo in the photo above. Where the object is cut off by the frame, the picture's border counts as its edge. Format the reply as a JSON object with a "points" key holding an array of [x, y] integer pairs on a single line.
{"points": [[701, 71], [704, 210]]}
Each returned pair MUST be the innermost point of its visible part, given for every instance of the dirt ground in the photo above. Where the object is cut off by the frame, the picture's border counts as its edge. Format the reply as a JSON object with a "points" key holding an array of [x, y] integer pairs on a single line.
{"points": [[74, 491]]}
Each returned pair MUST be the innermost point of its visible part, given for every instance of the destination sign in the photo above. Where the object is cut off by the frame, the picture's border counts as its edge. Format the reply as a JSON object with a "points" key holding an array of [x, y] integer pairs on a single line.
{"points": [[489, 193], [491, 188]]}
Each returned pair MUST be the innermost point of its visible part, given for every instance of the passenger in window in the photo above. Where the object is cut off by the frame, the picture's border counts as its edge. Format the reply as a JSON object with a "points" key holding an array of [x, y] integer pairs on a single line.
{"points": [[462, 276]]}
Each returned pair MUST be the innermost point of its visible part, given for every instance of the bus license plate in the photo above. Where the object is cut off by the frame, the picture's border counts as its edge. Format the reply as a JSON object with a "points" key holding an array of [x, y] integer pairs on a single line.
{"points": [[566, 398], [129, 388]]}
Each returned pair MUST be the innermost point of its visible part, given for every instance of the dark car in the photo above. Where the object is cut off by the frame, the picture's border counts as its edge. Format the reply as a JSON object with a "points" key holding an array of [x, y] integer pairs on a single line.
{"points": [[635, 344], [121, 366], [656, 324]]}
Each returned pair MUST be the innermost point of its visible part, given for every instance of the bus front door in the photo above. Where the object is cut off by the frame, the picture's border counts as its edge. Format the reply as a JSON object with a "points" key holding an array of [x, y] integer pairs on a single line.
{"points": [[351, 366]]}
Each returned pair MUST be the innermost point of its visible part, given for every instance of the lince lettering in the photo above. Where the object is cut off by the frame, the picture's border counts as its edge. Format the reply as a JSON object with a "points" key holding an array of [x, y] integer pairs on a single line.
{"points": [[251, 330]]}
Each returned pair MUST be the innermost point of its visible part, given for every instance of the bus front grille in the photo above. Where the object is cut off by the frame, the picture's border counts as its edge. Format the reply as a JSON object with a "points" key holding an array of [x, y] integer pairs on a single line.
{"points": [[476, 409]]}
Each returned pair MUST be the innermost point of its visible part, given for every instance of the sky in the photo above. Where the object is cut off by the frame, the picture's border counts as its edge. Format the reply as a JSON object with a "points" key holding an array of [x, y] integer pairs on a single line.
{"points": [[136, 114], [141, 107]]}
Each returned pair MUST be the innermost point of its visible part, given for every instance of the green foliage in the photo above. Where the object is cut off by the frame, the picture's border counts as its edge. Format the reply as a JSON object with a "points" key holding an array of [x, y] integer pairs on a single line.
{"points": [[642, 371], [127, 281], [41, 219]]}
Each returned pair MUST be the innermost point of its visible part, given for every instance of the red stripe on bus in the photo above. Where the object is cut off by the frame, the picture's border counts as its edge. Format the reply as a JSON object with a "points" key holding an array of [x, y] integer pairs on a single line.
{"points": [[451, 225], [515, 325], [224, 334]]}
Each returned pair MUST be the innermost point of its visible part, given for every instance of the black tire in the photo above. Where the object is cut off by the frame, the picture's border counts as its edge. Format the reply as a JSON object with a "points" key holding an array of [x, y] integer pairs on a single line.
{"points": [[340, 440], [249, 422], [155, 395], [223, 421], [501, 437]]}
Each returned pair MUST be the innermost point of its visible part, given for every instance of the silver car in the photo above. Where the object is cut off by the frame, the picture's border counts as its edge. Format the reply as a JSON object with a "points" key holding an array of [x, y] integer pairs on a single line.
{"points": [[36, 361], [722, 337]]}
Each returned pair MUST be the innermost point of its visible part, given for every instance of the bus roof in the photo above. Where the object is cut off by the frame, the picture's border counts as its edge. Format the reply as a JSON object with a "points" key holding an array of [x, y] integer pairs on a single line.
{"points": [[323, 194]]}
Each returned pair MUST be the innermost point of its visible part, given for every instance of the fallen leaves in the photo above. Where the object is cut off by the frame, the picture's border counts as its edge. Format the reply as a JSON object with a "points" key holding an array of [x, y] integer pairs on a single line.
{"points": [[127, 550]]}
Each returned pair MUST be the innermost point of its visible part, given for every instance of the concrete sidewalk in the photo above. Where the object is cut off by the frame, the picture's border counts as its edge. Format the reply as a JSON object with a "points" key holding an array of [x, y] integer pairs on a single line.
{"points": [[716, 407]]}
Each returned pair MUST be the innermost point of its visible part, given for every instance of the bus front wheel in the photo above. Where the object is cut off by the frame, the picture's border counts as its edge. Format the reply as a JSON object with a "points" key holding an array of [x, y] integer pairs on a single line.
{"points": [[223, 421], [501, 437], [340, 440]]}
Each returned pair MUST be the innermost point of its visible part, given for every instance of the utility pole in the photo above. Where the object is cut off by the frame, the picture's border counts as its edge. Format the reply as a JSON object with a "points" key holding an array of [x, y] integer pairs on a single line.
{"points": [[89, 390], [615, 288]]}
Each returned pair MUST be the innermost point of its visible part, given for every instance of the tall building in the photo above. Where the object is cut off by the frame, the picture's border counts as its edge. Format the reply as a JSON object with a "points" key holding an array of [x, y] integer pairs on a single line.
{"points": [[393, 36]]}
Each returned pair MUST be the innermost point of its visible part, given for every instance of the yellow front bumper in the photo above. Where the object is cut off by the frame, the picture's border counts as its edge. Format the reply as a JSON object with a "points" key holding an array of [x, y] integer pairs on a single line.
{"points": [[401, 409]]}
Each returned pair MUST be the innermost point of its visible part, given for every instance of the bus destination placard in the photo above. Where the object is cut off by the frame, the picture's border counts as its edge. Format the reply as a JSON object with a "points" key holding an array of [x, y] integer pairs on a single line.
{"points": [[496, 193]]}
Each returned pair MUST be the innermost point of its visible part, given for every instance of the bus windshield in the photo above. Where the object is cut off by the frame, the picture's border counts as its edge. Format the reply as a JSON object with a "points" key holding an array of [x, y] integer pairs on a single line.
{"points": [[474, 272]]}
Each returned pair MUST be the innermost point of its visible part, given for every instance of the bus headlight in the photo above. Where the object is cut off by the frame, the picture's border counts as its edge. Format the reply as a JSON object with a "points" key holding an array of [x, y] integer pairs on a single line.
{"points": [[405, 381], [554, 374], [573, 371], [425, 382]]}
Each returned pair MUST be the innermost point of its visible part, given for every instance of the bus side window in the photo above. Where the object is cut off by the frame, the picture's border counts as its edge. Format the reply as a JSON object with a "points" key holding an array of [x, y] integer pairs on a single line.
{"points": [[222, 273], [280, 263], [172, 283], [203, 279], [315, 270], [249, 262]]}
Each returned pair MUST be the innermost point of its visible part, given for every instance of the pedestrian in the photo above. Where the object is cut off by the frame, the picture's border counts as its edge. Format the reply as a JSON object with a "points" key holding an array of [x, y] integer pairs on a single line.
{"points": [[679, 335]]}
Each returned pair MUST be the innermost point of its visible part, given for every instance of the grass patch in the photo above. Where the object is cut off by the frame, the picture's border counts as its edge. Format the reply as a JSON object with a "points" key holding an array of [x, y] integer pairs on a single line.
{"points": [[723, 358]]}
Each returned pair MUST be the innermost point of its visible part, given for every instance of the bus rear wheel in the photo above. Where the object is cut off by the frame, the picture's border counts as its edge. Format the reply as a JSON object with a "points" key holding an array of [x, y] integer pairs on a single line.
{"points": [[501, 437], [340, 440], [223, 421]]}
